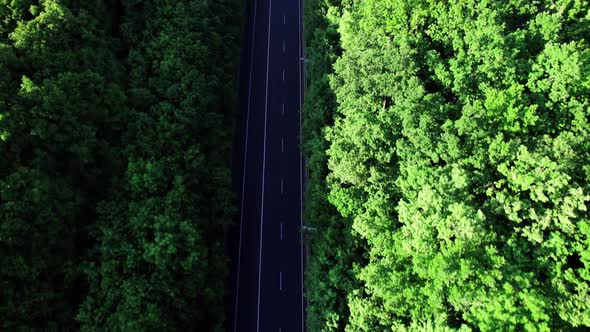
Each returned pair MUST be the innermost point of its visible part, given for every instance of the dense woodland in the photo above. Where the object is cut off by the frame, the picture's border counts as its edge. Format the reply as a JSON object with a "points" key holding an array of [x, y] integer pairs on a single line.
{"points": [[449, 153], [115, 138]]}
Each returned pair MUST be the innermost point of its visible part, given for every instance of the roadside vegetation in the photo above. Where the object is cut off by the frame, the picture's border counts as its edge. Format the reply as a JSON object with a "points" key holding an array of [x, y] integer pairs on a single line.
{"points": [[449, 154], [115, 138]]}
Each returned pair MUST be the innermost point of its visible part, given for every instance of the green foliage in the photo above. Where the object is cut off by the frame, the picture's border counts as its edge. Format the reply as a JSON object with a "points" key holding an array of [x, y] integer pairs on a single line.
{"points": [[329, 275], [161, 264], [56, 119], [39, 264], [458, 151], [115, 133]]}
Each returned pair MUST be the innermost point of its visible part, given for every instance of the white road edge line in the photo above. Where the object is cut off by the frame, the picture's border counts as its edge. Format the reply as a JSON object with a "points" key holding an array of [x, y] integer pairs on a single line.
{"points": [[244, 171], [301, 171], [263, 169]]}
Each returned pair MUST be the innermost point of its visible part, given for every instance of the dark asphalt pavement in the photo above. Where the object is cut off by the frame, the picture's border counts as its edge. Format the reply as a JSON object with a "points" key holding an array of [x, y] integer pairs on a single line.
{"points": [[267, 248]]}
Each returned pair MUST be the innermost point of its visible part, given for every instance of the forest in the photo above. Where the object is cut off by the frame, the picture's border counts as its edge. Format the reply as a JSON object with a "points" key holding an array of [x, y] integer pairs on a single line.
{"points": [[116, 122], [448, 144]]}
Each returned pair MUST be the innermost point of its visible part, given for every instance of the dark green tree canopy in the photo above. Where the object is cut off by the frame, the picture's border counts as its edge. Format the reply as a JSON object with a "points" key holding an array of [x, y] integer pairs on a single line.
{"points": [[115, 136]]}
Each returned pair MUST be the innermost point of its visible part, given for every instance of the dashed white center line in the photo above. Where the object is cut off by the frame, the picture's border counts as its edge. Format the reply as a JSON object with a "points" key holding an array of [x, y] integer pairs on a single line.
{"points": [[283, 46], [283, 109], [283, 76], [281, 185], [281, 230], [280, 280], [284, 19], [282, 144]]}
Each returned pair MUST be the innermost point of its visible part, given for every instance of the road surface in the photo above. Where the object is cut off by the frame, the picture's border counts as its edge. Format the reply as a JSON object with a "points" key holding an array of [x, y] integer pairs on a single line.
{"points": [[267, 257]]}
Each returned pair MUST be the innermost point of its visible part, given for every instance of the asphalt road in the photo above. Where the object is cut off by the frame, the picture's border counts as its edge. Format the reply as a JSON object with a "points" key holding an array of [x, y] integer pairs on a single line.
{"points": [[267, 248]]}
